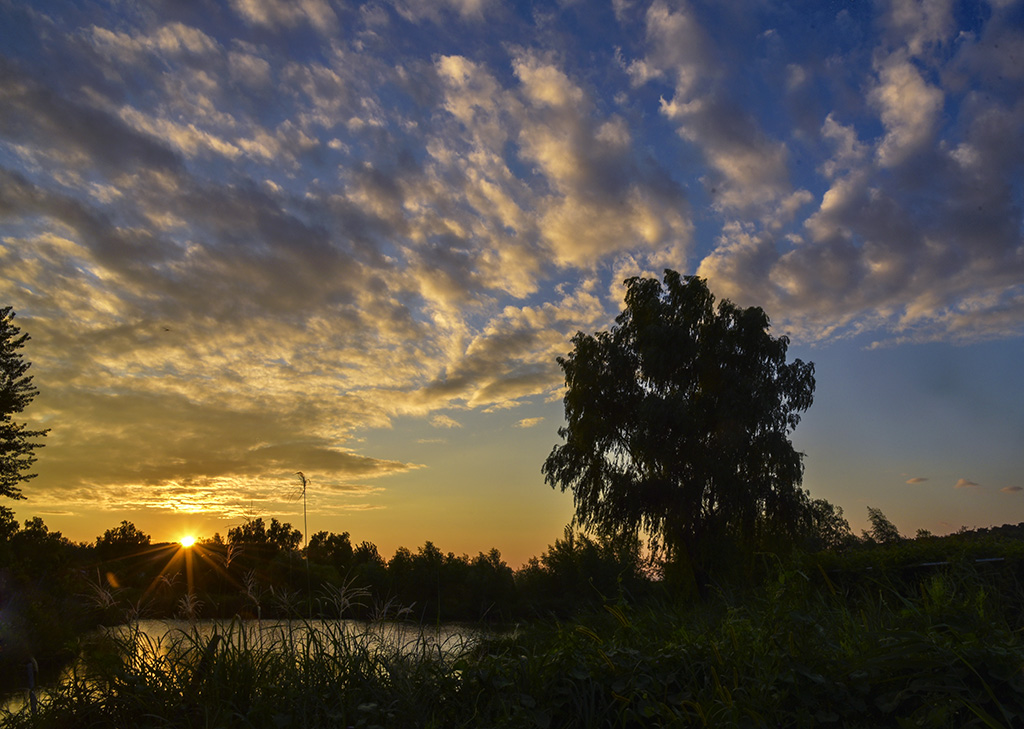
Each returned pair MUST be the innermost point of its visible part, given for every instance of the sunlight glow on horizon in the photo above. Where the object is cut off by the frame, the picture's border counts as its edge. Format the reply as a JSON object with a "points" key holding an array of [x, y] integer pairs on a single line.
{"points": [[187, 541]]}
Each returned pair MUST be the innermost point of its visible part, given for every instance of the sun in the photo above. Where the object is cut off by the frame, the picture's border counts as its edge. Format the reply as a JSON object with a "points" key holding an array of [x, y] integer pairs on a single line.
{"points": [[187, 541]]}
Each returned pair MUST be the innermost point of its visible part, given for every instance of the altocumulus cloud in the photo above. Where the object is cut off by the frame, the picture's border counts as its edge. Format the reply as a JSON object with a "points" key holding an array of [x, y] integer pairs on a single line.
{"points": [[233, 256], [529, 422], [444, 421]]}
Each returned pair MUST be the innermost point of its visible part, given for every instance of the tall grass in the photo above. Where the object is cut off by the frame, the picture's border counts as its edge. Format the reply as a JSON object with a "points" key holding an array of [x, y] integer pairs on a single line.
{"points": [[799, 650], [252, 674]]}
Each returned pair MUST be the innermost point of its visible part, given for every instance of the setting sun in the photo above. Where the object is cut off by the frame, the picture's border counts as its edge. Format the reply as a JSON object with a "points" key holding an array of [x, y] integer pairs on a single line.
{"points": [[188, 541]]}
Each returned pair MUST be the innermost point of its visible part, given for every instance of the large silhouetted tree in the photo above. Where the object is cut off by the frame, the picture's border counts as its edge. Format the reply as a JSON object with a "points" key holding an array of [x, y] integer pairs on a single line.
{"points": [[17, 444], [678, 423]]}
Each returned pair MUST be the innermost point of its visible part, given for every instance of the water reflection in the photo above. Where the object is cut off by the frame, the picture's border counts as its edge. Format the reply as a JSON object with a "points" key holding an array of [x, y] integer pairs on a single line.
{"points": [[181, 642], [158, 637]]}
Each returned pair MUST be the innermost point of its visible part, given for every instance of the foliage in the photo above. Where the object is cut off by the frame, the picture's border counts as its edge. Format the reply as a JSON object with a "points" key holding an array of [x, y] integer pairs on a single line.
{"points": [[882, 530], [40, 613], [1000, 549], [677, 425], [329, 548], [121, 540], [794, 651], [444, 586], [17, 444], [578, 573], [825, 528], [278, 536]]}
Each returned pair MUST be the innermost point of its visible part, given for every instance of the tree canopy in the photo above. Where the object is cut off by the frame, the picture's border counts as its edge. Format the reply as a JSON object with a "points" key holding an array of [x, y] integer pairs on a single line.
{"points": [[882, 530], [678, 423], [17, 444], [126, 534], [254, 532]]}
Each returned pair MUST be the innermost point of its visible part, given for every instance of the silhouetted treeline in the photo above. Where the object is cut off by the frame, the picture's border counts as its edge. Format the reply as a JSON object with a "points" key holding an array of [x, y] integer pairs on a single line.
{"points": [[52, 590], [259, 570]]}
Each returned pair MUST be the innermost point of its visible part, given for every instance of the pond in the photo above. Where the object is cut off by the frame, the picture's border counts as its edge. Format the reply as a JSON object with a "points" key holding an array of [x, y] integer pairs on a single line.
{"points": [[165, 640], [444, 636], [268, 634]]}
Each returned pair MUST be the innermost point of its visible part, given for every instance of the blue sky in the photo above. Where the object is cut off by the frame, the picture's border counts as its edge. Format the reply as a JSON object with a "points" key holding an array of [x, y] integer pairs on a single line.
{"points": [[254, 237]]}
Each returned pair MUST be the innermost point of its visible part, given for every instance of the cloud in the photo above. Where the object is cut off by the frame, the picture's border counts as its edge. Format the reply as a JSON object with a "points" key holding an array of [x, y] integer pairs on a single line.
{"points": [[1012, 489], [917, 479], [678, 45], [436, 10], [246, 255], [919, 25], [443, 421], [188, 439], [287, 13], [599, 196], [907, 253], [603, 201], [65, 133], [249, 69], [908, 108], [964, 483], [749, 168], [529, 422]]}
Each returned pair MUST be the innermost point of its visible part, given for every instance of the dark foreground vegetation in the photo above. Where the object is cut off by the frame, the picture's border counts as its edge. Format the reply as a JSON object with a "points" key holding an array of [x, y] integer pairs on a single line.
{"points": [[912, 632]]}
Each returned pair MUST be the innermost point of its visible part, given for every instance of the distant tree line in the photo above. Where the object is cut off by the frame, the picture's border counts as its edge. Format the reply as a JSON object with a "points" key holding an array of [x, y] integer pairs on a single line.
{"points": [[258, 569], [53, 589]]}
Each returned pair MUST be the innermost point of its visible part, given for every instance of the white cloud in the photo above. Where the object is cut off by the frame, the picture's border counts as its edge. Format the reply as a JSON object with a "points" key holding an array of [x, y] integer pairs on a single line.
{"points": [[168, 40], [796, 77], [599, 200], [188, 139], [678, 46], [249, 69], [908, 107], [849, 151], [919, 24], [444, 421], [749, 168], [529, 422], [545, 85], [434, 10], [287, 13], [640, 72]]}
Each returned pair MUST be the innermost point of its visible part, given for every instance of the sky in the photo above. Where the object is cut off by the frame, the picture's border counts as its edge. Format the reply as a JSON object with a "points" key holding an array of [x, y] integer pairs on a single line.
{"points": [[255, 237]]}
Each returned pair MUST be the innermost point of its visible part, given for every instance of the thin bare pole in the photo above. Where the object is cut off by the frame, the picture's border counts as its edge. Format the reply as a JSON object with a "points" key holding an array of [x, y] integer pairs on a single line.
{"points": [[305, 539]]}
